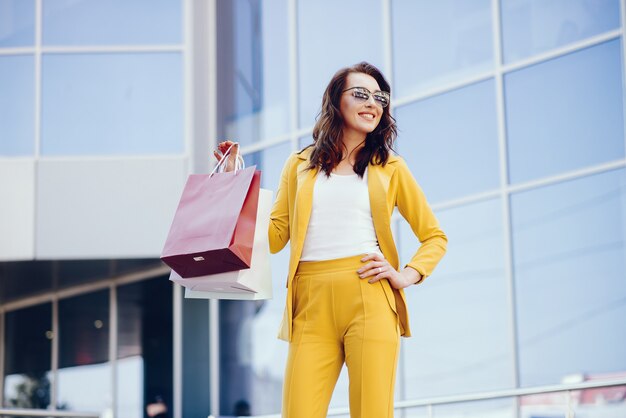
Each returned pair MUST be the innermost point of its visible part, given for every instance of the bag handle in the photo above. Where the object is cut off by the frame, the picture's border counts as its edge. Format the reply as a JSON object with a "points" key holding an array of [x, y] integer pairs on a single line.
{"points": [[237, 161]]}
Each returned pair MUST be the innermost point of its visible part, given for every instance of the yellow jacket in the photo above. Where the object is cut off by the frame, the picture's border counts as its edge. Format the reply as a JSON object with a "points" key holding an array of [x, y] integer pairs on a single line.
{"points": [[389, 186]]}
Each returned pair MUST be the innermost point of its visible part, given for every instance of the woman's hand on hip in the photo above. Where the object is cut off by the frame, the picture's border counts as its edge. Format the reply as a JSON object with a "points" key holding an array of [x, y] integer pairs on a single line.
{"points": [[377, 267]]}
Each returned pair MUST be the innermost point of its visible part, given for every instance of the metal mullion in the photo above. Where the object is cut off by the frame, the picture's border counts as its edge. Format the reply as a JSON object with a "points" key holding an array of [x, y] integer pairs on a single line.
{"points": [[504, 192], [622, 30], [87, 288], [113, 49], [113, 333], [2, 345], [178, 350], [54, 364], [294, 77]]}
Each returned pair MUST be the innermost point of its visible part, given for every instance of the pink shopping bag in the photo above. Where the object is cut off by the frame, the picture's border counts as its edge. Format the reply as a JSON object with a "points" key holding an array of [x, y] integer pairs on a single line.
{"points": [[213, 228]]}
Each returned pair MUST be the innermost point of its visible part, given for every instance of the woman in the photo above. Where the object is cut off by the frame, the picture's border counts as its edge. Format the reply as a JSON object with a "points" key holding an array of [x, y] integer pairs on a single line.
{"points": [[345, 298]]}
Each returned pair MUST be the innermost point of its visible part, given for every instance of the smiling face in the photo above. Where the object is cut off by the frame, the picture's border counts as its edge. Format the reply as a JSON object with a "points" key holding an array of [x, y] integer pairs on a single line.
{"points": [[360, 117]]}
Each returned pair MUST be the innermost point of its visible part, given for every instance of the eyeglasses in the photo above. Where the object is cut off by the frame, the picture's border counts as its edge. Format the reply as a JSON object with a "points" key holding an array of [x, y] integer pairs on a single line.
{"points": [[361, 94]]}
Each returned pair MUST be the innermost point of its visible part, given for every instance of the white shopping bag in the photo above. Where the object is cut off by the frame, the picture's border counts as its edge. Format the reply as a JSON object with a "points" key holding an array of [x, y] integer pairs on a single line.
{"points": [[254, 283]]}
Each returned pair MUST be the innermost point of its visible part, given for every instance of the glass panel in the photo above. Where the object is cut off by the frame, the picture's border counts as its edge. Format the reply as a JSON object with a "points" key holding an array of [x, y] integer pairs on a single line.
{"points": [[21, 279], [495, 408], [568, 242], [439, 42], [84, 368], [460, 315], [450, 141], [17, 23], [251, 355], [571, 103], [530, 27], [112, 104], [17, 105], [333, 35], [76, 272], [609, 402], [145, 347], [28, 346], [253, 69], [419, 412], [95, 22], [304, 141]]}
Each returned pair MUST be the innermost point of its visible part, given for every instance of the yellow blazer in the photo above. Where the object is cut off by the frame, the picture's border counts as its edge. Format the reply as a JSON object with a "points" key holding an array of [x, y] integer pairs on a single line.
{"points": [[389, 186]]}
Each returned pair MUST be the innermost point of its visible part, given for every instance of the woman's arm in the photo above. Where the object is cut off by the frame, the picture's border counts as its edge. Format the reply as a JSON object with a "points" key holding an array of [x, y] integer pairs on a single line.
{"points": [[413, 206]]}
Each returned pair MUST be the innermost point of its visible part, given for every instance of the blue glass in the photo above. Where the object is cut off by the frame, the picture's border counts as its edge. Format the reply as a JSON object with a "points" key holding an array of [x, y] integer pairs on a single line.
{"points": [[566, 113], [460, 315], [268, 355], [304, 141], [17, 108], [112, 22], [112, 104], [450, 142], [17, 23], [438, 42], [530, 27], [569, 260], [500, 408], [27, 357], [84, 352], [253, 85], [333, 35]]}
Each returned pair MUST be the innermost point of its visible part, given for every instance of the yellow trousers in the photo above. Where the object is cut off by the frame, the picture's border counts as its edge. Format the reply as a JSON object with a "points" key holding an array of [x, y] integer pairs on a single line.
{"points": [[340, 317]]}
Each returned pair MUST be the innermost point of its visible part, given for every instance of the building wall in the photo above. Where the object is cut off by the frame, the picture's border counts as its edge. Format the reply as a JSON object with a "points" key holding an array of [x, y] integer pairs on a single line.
{"points": [[511, 118]]}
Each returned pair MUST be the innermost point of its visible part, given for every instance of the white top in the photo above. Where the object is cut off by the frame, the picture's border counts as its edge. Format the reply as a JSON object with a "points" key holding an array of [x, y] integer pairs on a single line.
{"points": [[341, 222]]}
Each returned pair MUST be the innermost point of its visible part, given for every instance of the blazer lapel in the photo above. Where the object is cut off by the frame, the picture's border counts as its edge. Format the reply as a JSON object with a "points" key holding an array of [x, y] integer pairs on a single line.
{"points": [[378, 179]]}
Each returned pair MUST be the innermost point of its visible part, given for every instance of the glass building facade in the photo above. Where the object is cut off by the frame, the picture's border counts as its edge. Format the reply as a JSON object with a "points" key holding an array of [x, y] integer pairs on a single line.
{"points": [[510, 116]]}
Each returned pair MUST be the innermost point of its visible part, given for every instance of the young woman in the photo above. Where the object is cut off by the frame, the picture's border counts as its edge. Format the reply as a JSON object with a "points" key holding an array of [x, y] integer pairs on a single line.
{"points": [[345, 298]]}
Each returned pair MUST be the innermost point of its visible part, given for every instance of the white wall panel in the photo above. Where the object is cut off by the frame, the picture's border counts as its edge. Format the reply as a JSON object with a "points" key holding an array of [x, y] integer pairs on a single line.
{"points": [[17, 209], [106, 208]]}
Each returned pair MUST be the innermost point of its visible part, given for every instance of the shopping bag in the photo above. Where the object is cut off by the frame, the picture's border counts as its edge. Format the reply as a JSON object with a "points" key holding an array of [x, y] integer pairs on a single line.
{"points": [[213, 228], [253, 283]]}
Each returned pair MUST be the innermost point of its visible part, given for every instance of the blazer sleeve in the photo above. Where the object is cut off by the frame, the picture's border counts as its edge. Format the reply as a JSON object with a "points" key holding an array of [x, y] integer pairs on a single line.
{"points": [[278, 231], [413, 206]]}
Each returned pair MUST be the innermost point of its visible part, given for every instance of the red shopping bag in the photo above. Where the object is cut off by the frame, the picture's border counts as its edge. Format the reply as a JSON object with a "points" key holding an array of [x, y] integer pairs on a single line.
{"points": [[213, 228]]}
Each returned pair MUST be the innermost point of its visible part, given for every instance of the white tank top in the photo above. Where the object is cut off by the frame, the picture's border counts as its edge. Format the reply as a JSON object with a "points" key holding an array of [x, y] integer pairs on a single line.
{"points": [[341, 222]]}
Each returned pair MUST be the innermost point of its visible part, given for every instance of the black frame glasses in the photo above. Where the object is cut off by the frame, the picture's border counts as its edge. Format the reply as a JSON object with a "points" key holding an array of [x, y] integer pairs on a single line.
{"points": [[361, 94]]}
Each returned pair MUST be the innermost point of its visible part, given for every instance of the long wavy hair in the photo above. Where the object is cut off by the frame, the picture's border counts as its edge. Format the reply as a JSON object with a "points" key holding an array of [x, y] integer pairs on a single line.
{"points": [[328, 148]]}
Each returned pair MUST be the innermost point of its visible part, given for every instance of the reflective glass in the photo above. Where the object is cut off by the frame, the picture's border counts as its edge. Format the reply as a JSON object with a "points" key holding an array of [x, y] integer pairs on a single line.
{"points": [[609, 402], [253, 69], [333, 35], [250, 351], [500, 408], [145, 347], [17, 109], [21, 279], [17, 23], [569, 266], [460, 316], [530, 27], [439, 42], [112, 22], [27, 352], [450, 142], [84, 368], [566, 113], [304, 141], [112, 104]]}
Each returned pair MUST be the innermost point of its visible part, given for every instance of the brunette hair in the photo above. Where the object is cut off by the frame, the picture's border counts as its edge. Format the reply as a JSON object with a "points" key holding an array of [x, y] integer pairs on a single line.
{"points": [[328, 130]]}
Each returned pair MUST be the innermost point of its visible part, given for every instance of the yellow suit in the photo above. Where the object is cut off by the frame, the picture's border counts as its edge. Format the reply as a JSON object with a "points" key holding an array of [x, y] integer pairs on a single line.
{"points": [[389, 186]]}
